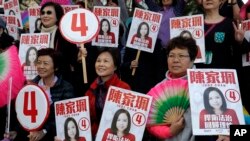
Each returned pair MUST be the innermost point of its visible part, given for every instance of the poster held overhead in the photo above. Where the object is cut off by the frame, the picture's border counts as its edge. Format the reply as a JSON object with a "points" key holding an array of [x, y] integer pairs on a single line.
{"points": [[143, 31]]}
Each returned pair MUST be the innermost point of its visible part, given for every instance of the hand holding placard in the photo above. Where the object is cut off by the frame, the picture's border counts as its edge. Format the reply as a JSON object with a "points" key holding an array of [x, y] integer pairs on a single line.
{"points": [[81, 31]]}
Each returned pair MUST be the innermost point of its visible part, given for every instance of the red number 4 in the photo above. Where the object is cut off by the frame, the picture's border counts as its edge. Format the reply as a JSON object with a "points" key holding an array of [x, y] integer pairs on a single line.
{"points": [[138, 119], [32, 111], [84, 123], [82, 27]]}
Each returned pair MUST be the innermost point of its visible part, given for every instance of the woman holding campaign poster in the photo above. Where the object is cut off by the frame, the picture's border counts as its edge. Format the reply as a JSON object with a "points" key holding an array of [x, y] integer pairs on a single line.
{"points": [[180, 52], [120, 127], [106, 66], [216, 110], [141, 38], [56, 89]]}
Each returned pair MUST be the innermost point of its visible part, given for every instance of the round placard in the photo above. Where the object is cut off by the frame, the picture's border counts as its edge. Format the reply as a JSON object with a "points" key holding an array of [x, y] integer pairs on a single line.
{"points": [[32, 107], [79, 26]]}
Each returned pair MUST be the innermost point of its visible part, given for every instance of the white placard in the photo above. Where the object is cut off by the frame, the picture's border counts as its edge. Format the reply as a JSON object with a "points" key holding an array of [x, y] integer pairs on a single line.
{"points": [[79, 26], [32, 107]]}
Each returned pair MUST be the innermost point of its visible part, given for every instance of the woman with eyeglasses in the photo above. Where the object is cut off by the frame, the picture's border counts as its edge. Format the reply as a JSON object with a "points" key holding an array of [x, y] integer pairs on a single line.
{"points": [[51, 14], [181, 53]]}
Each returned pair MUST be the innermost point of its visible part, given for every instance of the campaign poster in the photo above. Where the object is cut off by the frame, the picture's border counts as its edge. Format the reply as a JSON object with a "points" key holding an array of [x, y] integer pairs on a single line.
{"points": [[11, 7], [11, 25], [246, 56], [125, 112], [109, 18], [215, 101], [144, 30], [67, 8], [190, 27], [34, 19], [73, 119], [29, 45]]}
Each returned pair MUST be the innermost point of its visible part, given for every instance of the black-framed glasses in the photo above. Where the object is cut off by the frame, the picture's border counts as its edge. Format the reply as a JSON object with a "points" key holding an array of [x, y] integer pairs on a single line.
{"points": [[47, 12]]}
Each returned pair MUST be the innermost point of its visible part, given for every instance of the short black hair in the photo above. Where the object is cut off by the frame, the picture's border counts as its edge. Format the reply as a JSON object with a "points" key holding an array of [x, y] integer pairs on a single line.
{"points": [[183, 43], [55, 56]]}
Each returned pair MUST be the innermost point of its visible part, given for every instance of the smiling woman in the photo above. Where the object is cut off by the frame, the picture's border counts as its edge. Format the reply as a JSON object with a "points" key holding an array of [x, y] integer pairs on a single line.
{"points": [[120, 127], [106, 66], [56, 89], [141, 38], [71, 130], [216, 106]]}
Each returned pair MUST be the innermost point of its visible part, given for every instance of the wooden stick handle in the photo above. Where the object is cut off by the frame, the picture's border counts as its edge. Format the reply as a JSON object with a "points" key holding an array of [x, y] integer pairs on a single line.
{"points": [[86, 4], [85, 79], [137, 58]]}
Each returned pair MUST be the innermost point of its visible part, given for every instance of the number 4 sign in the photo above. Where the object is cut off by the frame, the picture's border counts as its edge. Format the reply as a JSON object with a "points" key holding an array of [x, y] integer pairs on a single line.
{"points": [[79, 26], [32, 107]]}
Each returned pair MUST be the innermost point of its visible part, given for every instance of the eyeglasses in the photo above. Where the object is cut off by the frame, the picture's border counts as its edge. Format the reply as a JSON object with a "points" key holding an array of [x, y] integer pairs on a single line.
{"points": [[179, 57], [47, 12]]}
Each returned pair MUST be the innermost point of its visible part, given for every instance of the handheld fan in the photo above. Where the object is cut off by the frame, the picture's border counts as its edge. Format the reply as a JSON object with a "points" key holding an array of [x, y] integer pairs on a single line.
{"points": [[10, 67], [170, 101]]}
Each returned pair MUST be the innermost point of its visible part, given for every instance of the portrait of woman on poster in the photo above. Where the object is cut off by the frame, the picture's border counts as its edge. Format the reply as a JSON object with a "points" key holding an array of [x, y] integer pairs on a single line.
{"points": [[38, 25], [216, 106], [13, 13], [141, 38], [120, 127], [71, 130], [105, 34], [188, 34], [29, 66]]}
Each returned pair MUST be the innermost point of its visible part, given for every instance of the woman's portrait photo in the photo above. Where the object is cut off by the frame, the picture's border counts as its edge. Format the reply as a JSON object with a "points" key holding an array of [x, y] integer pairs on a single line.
{"points": [[29, 66], [120, 127], [105, 34], [216, 114], [38, 25], [71, 130], [141, 38]]}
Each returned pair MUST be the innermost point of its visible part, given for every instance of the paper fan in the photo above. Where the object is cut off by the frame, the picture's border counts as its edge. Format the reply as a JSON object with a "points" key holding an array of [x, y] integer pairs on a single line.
{"points": [[10, 67], [170, 101]]}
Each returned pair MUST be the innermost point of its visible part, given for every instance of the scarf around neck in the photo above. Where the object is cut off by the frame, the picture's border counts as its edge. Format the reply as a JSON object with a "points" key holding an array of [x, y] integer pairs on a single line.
{"points": [[52, 31]]}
